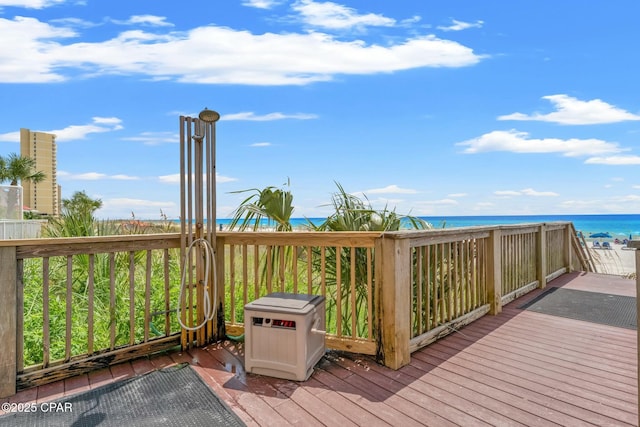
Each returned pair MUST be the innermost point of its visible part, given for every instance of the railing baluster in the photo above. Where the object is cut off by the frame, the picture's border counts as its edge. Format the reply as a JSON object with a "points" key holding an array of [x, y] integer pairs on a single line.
{"points": [[354, 311], [309, 270], [281, 252], [132, 298], [245, 275], [46, 334], [269, 268], [369, 294], [323, 271], [256, 271], [69, 299], [147, 297], [90, 303], [339, 291], [112, 300], [294, 267], [430, 294], [232, 282], [20, 315], [417, 275], [167, 293]]}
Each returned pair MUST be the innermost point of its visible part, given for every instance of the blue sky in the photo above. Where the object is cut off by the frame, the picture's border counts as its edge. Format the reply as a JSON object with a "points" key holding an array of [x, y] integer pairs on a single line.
{"points": [[432, 107]]}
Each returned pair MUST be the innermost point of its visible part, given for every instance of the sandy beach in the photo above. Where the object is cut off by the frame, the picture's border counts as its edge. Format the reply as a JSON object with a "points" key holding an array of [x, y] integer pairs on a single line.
{"points": [[617, 260]]}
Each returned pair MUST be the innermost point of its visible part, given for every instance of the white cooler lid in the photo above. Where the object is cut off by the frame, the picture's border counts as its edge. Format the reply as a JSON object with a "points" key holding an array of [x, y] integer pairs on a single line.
{"points": [[281, 301]]}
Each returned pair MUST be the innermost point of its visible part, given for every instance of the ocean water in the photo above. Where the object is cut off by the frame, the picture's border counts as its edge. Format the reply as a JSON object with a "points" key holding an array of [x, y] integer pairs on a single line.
{"points": [[619, 226]]}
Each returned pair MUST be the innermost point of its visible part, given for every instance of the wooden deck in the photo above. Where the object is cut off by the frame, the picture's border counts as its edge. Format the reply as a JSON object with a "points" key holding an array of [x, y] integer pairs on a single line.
{"points": [[518, 368]]}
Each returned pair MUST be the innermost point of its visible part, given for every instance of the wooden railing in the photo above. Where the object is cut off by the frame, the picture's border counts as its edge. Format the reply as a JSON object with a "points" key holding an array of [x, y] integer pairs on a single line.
{"points": [[338, 266], [77, 304], [430, 283], [84, 303]]}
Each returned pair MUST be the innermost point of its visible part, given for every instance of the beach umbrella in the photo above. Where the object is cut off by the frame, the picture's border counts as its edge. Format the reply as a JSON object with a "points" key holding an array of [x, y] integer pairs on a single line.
{"points": [[600, 236]]}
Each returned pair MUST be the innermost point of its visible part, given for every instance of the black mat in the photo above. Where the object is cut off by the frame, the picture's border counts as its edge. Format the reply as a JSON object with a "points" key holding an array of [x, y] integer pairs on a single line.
{"points": [[606, 309], [174, 396]]}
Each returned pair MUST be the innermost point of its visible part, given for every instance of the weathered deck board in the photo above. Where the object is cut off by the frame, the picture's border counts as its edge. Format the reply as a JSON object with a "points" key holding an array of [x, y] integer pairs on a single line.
{"points": [[518, 368]]}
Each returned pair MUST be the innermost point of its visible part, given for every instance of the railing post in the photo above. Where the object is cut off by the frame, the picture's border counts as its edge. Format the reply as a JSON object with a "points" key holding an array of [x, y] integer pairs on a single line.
{"points": [[219, 331], [8, 320], [567, 249], [635, 244], [494, 272], [393, 300], [541, 257]]}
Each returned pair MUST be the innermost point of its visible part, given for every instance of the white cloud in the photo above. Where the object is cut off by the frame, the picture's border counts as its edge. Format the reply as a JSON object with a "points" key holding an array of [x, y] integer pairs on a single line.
{"points": [[76, 132], [24, 55], [519, 142], [31, 4], [10, 137], [456, 195], [145, 20], [251, 116], [572, 111], [94, 176], [507, 193], [261, 4], [74, 22], [442, 202], [261, 144], [122, 177], [337, 17], [614, 160], [460, 25], [629, 198], [410, 21], [525, 192], [534, 193], [35, 52], [390, 189], [154, 138]]}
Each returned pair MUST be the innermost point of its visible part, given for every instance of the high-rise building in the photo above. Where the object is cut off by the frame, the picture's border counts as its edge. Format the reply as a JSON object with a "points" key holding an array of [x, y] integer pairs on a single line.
{"points": [[42, 196]]}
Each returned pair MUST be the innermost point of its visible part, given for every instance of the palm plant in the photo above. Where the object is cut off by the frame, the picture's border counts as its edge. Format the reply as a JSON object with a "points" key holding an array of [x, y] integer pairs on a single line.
{"points": [[354, 214], [76, 218], [16, 169], [275, 205]]}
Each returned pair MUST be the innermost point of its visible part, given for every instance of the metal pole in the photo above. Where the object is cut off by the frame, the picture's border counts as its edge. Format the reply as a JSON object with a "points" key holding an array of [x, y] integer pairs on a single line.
{"points": [[198, 210]]}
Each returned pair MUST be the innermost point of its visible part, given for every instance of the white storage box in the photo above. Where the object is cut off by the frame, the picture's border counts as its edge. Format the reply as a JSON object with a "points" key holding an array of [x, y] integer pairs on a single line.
{"points": [[284, 335]]}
